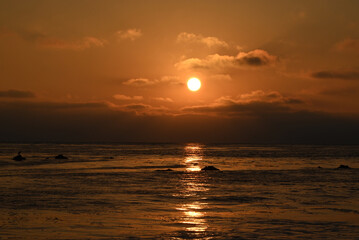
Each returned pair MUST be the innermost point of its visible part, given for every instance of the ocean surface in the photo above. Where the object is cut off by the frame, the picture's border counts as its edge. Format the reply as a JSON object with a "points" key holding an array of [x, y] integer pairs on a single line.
{"points": [[114, 191]]}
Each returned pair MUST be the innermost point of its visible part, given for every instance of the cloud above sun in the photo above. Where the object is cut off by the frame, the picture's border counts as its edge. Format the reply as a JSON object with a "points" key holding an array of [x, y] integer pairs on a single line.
{"points": [[216, 62], [191, 38], [131, 34]]}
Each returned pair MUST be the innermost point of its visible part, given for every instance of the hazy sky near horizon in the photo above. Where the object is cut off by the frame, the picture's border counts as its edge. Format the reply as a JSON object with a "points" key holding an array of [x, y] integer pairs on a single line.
{"points": [[271, 71]]}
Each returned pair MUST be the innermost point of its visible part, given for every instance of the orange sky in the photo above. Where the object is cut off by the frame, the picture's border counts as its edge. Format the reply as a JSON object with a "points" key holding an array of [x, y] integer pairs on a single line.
{"points": [[119, 69]]}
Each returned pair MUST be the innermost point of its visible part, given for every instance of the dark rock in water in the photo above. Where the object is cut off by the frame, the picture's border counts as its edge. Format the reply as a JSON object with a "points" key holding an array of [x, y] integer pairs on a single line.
{"points": [[209, 168], [18, 157], [343, 167], [60, 156], [167, 170]]}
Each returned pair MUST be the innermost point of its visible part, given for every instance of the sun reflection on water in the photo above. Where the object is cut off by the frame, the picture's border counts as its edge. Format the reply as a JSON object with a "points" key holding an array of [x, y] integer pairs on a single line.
{"points": [[193, 156], [193, 217], [194, 185]]}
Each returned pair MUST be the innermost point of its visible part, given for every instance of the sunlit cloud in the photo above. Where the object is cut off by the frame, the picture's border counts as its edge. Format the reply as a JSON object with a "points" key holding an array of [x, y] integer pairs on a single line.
{"points": [[254, 103], [144, 82], [271, 96], [256, 57], [192, 38], [344, 75], [216, 62], [16, 94], [127, 98], [131, 34], [348, 45], [144, 109], [162, 99], [138, 82]]}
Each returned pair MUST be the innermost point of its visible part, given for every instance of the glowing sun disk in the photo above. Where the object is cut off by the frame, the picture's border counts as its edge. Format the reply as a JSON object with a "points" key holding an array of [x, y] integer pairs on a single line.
{"points": [[194, 84]]}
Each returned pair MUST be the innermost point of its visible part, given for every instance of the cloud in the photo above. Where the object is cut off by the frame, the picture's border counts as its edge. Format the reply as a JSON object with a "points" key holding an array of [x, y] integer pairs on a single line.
{"points": [[60, 44], [229, 107], [199, 39], [127, 98], [345, 75], [104, 122], [137, 107], [16, 94], [143, 82], [220, 77], [270, 97], [251, 104], [138, 82], [145, 109], [256, 57], [342, 91], [44, 40], [216, 62], [162, 99], [348, 45], [54, 106], [131, 34], [31, 35]]}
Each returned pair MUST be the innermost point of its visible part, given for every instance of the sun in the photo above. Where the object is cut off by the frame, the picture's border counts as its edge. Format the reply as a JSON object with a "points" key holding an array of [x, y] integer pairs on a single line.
{"points": [[194, 84]]}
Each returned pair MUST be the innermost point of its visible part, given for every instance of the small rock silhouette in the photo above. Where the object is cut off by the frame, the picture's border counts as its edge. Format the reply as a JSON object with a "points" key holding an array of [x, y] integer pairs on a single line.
{"points": [[209, 168], [60, 156], [343, 167], [164, 170], [18, 157]]}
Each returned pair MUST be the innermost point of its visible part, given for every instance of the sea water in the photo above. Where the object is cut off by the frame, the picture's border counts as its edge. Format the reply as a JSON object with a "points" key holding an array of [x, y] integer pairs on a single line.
{"points": [[158, 191]]}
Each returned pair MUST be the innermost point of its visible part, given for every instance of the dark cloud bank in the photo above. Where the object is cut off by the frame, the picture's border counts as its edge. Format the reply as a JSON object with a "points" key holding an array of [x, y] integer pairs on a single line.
{"points": [[98, 122], [345, 75], [16, 94]]}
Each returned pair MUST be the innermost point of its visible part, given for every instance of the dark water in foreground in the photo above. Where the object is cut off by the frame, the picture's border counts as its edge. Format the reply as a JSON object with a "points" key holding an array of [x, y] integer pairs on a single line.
{"points": [[123, 192]]}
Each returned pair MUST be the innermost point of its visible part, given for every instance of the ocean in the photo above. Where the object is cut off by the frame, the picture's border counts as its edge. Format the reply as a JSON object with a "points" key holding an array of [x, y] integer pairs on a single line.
{"points": [[158, 191]]}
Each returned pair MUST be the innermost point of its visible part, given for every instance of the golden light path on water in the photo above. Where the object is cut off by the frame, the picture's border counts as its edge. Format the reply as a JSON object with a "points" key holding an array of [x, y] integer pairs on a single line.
{"points": [[193, 183], [193, 157]]}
